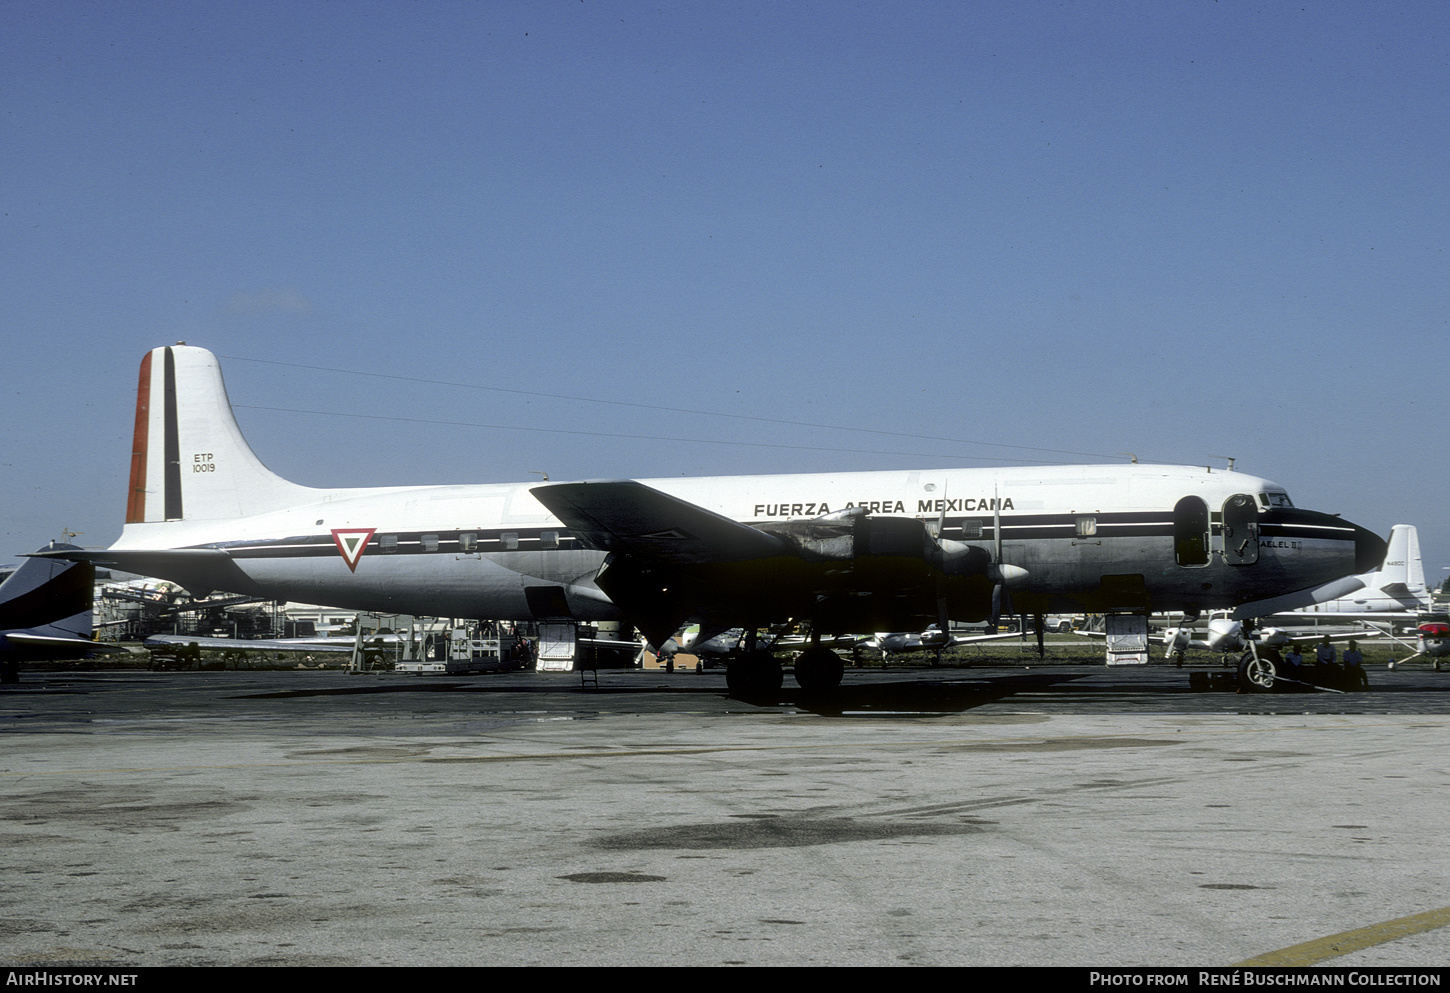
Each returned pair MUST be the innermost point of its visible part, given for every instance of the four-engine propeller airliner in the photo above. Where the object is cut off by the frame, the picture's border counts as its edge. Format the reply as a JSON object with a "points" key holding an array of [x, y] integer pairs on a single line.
{"points": [[850, 552]]}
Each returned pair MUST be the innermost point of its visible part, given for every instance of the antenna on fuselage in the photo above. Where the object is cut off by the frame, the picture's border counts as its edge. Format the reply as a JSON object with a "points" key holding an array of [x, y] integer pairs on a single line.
{"points": [[1230, 459], [1131, 457]]}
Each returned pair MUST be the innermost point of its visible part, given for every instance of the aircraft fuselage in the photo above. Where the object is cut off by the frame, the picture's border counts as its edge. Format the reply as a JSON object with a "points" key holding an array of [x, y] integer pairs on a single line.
{"points": [[1089, 538]]}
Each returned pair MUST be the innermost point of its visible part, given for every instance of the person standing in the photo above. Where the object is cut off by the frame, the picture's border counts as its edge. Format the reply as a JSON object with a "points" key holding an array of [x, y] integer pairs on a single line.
{"points": [[1354, 667]]}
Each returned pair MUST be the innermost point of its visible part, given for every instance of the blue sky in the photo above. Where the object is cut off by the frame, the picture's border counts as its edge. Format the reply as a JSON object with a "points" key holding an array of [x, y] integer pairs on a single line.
{"points": [[1069, 229]]}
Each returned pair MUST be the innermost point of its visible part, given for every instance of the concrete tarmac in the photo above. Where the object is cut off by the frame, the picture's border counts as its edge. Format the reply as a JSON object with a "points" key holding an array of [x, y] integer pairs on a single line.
{"points": [[999, 815]]}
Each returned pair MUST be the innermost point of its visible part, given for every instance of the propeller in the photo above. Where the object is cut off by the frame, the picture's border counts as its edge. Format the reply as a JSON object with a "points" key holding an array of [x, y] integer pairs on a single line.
{"points": [[1001, 594]]}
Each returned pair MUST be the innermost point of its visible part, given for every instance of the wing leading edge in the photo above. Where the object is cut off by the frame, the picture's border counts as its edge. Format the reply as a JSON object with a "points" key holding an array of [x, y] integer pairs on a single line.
{"points": [[624, 516]]}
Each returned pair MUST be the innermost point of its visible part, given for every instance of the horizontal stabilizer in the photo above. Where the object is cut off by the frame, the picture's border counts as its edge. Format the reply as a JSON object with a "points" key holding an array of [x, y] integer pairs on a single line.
{"points": [[630, 518], [200, 570]]}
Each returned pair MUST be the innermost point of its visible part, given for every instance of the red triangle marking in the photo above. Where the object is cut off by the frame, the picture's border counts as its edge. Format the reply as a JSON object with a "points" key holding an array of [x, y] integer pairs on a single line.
{"points": [[351, 542]]}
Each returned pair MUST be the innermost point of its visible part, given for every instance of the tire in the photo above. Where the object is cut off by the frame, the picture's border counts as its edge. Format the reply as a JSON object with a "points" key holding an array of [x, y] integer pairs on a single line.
{"points": [[753, 676], [819, 670], [1257, 675]]}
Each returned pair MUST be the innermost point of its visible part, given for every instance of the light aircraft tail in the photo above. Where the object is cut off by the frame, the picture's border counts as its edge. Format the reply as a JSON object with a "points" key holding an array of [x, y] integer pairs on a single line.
{"points": [[189, 460], [1403, 573]]}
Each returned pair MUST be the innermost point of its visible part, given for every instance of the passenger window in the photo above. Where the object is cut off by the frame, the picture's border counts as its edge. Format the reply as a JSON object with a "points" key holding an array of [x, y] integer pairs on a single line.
{"points": [[1087, 527], [548, 539], [510, 540], [387, 543], [468, 542], [430, 543]]}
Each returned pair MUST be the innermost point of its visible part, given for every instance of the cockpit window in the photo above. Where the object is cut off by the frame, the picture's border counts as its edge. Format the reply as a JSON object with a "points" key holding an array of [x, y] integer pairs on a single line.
{"points": [[1275, 498]]}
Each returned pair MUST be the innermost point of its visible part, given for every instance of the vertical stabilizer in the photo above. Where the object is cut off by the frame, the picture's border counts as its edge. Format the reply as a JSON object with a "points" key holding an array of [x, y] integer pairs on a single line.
{"points": [[189, 460], [1395, 568], [1414, 568], [1417, 568], [1402, 577], [49, 597]]}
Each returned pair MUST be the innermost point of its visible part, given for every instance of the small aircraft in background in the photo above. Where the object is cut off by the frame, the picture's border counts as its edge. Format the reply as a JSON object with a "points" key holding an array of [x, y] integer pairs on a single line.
{"points": [[1229, 638], [45, 612], [933, 639], [1433, 633]]}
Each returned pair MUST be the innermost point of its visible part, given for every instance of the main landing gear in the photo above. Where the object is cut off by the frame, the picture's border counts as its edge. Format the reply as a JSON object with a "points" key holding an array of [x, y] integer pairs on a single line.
{"points": [[756, 673]]}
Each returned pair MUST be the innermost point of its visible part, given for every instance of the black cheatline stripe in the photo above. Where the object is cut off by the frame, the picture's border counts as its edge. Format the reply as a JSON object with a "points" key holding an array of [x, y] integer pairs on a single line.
{"points": [[1328, 531], [1019, 527], [409, 543], [173, 444]]}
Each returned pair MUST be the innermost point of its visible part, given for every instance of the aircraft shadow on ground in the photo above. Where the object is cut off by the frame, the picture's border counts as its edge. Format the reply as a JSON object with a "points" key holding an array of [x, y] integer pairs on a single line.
{"points": [[917, 698], [880, 696]]}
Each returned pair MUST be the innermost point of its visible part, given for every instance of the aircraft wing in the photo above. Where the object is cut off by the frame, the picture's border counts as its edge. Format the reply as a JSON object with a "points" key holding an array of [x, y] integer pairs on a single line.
{"points": [[1311, 638], [1310, 621], [999, 636], [255, 644], [624, 516], [53, 642], [612, 644]]}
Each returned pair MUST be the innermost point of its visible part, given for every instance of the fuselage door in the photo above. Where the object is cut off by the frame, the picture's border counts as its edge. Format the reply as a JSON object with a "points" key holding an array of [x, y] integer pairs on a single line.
{"points": [[1240, 530], [1190, 531]]}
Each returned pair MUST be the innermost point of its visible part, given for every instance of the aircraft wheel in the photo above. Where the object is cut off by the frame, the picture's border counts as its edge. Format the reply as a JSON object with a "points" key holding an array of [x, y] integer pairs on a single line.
{"points": [[819, 670], [754, 676], [1178, 659], [1437, 665], [1257, 675]]}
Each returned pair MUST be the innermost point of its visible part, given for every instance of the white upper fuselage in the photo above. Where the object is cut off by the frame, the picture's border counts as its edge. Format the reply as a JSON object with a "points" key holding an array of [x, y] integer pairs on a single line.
{"points": [[982, 493], [1012, 493]]}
